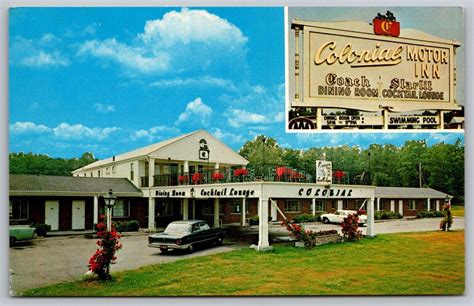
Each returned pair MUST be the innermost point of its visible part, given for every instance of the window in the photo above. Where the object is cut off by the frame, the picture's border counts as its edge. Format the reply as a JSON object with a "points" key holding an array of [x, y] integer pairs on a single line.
{"points": [[292, 206], [320, 205], [98, 173], [412, 204], [236, 206], [121, 208], [358, 204], [425, 204], [19, 209], [208, 208], [84, 174], [92, 174], [163, 208], [107, 171], [204, 226], [114, 170], [334, 204], [132, 174]]}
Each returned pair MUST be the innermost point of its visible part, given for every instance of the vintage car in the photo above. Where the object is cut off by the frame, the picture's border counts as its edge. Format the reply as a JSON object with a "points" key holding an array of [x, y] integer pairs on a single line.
{"points": [[185, 235], [21, 233], [339, 215]]}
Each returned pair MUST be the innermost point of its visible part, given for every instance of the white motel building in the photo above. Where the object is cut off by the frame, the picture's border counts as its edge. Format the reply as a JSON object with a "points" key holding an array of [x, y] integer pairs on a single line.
{"points": [[196, 176]]}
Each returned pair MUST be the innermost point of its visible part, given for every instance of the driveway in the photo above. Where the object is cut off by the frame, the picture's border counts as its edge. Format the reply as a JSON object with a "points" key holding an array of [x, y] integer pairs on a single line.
{"points": [[57, 259]]}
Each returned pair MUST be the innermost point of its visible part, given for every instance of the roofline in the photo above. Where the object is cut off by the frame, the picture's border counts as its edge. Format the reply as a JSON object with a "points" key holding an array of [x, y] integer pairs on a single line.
{"points": [[70, 193]]}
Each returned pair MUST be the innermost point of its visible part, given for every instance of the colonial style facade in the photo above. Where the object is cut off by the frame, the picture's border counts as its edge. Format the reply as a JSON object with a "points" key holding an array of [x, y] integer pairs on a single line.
{"points": [[196, 176]]}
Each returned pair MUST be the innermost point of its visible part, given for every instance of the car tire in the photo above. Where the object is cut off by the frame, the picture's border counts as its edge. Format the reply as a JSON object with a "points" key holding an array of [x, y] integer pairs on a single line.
{"points": [[325, 220], [12, 241], [190, 249], [35, 235], [219, 241], [164, 251]]}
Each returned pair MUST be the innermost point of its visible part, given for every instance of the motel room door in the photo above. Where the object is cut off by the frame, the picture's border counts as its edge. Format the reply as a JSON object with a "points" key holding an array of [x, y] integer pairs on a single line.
{"points": [[78, 215], [51, 214]]}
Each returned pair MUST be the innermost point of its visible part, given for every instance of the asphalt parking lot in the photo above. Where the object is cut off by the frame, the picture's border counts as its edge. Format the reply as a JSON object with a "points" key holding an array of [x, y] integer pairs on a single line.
{"points": [[57, 259]]}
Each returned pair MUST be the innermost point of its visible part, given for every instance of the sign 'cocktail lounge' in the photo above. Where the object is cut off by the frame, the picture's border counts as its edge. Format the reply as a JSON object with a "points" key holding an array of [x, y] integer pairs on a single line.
{"points": [[345, 65]]}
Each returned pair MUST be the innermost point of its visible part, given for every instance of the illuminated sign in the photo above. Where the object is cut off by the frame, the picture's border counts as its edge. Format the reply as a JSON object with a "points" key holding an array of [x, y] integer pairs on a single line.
{"points": [[345, 65], [412, 120], [323, 172]]}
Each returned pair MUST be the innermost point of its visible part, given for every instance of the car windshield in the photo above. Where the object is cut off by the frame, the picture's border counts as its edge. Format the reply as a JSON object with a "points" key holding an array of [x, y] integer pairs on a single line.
{"points": [[178, 228]]}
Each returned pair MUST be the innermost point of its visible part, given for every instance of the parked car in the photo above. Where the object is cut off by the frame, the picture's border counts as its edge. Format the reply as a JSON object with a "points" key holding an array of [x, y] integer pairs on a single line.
{"points": [[21, 233], [339, 215], [185, 235]]}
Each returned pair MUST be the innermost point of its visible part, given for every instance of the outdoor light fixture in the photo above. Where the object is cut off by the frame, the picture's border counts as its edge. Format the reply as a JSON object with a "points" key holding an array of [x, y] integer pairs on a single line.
{"points": [[109, 200]]}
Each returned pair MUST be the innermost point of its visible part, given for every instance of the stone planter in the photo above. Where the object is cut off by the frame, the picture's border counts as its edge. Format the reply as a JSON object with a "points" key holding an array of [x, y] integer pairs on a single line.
{"points": [[320, 240]]}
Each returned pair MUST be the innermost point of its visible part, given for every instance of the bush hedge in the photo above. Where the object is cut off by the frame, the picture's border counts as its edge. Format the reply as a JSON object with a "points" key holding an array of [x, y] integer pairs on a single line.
{"points": [[126, 226], [385, 214], [254, 220], [305, 218], [41, 228], [430, 214]]}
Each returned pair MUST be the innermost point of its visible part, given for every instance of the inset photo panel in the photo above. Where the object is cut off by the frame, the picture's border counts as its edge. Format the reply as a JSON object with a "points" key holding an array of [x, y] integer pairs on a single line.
{"points": [[398, 68]]}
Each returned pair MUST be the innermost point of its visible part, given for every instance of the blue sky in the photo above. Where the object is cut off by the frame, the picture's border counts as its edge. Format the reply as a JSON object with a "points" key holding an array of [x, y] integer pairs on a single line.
{"points": [[109, 80]]}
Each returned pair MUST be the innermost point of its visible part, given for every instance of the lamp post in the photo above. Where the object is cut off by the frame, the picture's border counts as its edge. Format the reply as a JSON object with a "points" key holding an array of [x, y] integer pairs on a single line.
{"points": [[169, 171], [109, 204]]}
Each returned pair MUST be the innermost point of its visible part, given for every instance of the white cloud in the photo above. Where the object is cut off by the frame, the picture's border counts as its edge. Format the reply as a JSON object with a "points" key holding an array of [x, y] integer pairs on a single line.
{"points": [[79, 131], [104, 108], [227, 136], [155, 133], [189, 26], [239, 117], [28, 127], [38, 53], [186, 40], [196, 110], [204, 81], [131, 57]]}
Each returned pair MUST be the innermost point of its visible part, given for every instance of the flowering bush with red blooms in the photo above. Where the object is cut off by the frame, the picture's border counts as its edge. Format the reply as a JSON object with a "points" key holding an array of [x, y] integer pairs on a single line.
{"points": [[361, 212], [306, 236], [182, 179], [350, 228], [104, 256], [217, 176], [197, 177], [241, 172]]}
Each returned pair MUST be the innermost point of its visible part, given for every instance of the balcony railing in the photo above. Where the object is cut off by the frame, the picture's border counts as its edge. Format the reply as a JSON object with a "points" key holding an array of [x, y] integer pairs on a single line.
{"points": [[273, 173]]}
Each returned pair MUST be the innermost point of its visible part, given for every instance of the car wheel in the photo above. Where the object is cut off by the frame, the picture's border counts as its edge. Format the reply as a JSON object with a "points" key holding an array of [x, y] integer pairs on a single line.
{"points": [[325, 220], [35, 235], [12, 240], [190, 249], [219, 241], [164, 251]]}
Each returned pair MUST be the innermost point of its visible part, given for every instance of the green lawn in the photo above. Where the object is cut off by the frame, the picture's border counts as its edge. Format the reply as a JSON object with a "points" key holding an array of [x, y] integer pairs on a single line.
{"points": [[457, 210], [429, 263]]}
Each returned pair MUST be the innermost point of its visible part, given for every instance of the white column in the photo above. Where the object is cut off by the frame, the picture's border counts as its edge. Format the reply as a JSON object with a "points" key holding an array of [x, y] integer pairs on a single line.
{"points": [[263, 243], [437, 205], [216, 166], [96, 209], [428, 206], [151, 172], [339, 204], [441, 120], [243, 214], [151, 214], [385, 119], [184, 202], [319, 118], [273, 212], [216, 212], [313, 207], [400, 207], [194, 209], [378, 204], [186, 167], [370, 218], [392, 205]]}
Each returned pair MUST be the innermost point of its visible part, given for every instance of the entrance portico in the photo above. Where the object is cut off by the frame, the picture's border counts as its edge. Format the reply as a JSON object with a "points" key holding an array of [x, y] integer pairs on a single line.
{"points": [[265, 195]]}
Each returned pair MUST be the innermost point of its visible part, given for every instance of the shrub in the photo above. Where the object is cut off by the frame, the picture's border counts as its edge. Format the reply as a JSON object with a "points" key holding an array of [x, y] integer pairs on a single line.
{"points": [[350, 228], [385, 214], [430, 214], [254, 220], [133, 226], [120, 226], [41, 228], [108, 244], [447, 221], [305, 218]]}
